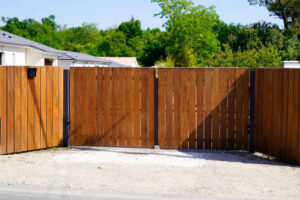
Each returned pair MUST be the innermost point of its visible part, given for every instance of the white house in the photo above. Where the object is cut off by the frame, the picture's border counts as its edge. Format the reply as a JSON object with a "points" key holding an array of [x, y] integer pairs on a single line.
{"points": [[18, 51], [291, 64], [127, 61]]}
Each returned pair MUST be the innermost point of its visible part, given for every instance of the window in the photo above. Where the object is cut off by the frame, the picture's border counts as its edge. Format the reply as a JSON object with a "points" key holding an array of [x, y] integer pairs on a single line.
{"points": [[48, 62], [1, 58]]}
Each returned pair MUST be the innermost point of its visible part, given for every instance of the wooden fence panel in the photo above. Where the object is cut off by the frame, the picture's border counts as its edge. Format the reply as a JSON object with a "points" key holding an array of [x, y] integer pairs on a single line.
{"points": [[116, 109], [277, 130], [204, 107], [26, 109]]}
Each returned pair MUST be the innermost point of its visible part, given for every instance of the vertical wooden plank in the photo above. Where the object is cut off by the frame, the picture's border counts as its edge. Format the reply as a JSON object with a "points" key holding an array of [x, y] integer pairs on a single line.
{"points": [[200, 107], [215, 108], [144, 109], [184, 137], [55, 107], [3, 104], [107, 106], [246, 109], [279, 105], [36, 93], [100, 133], [43, 107], [290, 115], [192, 109], [24, 109], [10, 110], [72, 105], [115, 106], [49, 100], [137, 107], [239, 109], [84, 105], [177, 107], [295, 117], [92, 106], [275, 113], [169, 108], [129, 108], [285, 113], [223, 108], [298, 139], [161, 108], [60, 104], [17, 108], [231, 108], [77, 105], [151, 107], [207, 111], [122, 111]]}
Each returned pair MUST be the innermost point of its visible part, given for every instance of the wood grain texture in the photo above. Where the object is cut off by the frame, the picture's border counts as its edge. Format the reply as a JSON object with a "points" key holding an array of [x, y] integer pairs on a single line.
{"points": [[17, 109], [3, 106], [10, 111]]}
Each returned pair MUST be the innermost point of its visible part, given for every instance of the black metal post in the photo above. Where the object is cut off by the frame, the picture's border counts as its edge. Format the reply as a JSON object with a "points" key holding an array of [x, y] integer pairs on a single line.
{"points": [[252, 102], [156, 108], [66, 114]]}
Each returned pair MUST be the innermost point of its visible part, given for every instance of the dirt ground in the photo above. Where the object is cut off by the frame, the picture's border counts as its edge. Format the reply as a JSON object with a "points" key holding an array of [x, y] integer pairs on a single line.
{"points": [[171, 174]]}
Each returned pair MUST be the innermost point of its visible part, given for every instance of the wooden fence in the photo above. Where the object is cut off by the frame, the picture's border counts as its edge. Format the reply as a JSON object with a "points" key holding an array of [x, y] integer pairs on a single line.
{"points": [[112, 106], [31, 110], [277, 113], [203, 108]]}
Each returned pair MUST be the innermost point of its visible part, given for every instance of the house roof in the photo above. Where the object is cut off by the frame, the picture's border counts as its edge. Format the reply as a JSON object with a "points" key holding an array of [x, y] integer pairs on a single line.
{"points": [[128, 61], [12, 39]]}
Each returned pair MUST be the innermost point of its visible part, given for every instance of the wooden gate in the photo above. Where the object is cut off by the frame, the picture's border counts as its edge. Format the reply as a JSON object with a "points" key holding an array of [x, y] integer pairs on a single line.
{"points": [[31, 110], [204, 108], [112, 106], [277, 113]]}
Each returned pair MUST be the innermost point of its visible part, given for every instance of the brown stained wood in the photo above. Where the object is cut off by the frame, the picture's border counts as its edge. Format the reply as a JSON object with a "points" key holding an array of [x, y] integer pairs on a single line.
{"points": [[246, 109], [298, 136], [10, 110], [72, 106], [137, 107], [144, 109], [200, 107], [100, 107], [84, 105], [231, 108], [122, 111], [256, 109], [272, 140], [129, 108], [177, 107], [36, 92], [49, 102], [3, 103], [184, 137], [290, 115], [151, 108], [17, 109], [115, 106], [92, 106], [43, 111], [215, 108], [77, 104], [278, 123], [162, 108], [223, 107], [60, 104], [239, 109], [169, 108], [208, 105], [284, 114], [107, 106], [55, 107], [295, 115], [24, 109], [192, 108]]}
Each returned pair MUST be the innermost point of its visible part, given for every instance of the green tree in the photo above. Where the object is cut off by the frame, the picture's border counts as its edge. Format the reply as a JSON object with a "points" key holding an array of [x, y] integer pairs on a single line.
{"points": [[190, 31]]}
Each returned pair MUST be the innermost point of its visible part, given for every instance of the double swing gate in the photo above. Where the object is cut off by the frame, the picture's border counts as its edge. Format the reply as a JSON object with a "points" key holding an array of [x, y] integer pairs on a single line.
{"points": [[176, 108], [200, 108]]}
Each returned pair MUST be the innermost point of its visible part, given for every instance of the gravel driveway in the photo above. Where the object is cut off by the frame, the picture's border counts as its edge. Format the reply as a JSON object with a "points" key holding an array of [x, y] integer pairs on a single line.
{"points": [[167, 174]]}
